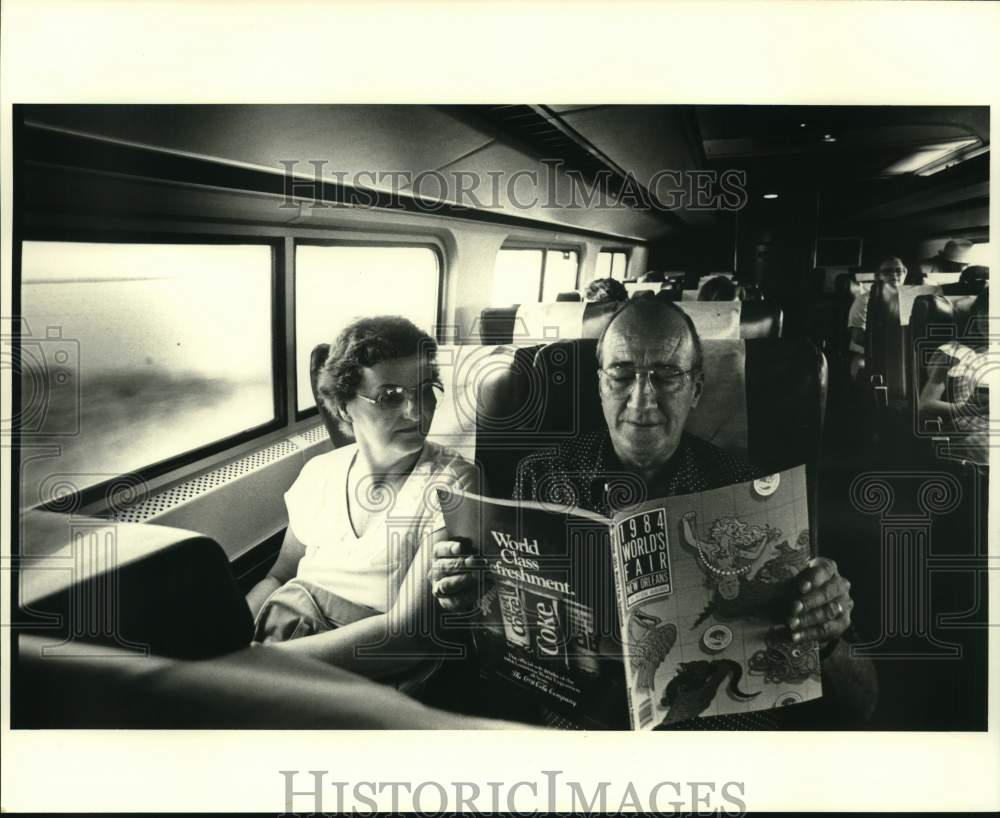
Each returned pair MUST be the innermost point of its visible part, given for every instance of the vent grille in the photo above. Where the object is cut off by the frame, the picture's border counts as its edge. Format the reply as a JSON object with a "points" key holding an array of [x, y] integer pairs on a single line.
{"points": [[537, 131], [317, 434], [171, 498]]}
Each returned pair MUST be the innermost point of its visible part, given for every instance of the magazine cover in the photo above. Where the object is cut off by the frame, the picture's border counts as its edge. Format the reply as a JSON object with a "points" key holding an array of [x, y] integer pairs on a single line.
{"points": [[672, 610], [549, 630], [703, 583]]}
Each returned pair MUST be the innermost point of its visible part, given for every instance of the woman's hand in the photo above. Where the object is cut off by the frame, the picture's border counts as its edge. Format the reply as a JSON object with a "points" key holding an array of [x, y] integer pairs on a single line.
{"points": [[822, 610], [455, 575]]}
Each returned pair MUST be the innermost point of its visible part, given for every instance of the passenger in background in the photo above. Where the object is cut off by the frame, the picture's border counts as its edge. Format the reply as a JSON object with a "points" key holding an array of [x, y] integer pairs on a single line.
{"points": [[649, 362], [602, 290], [949, 259], [915, 278], [718, 288], [974, 279], [362, 518], [890, 270], [957, 389], [652, 277]]}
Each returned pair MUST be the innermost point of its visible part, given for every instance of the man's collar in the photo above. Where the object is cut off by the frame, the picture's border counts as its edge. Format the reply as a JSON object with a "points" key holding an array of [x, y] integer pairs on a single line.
{"points": [[609, 458]]}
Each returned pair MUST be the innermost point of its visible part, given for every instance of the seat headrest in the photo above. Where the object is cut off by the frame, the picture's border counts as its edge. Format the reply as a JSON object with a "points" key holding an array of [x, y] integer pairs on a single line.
{"points": [[532, 324], [642, 287], [317, 359], [908, 293], [760, 319], [572, 295]]}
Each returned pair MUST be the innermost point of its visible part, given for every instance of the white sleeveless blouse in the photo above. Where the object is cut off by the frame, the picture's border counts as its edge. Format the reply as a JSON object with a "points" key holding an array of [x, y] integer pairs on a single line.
{"points": [[368, 570]]}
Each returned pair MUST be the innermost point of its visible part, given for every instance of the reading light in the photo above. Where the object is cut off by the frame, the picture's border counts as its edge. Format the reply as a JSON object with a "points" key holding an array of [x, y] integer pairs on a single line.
{"points": [[802, 124], [770, 195], [829, 137]]}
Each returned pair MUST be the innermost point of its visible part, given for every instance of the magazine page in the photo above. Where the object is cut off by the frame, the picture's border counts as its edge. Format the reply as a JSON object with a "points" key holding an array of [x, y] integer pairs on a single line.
{"points": [[548, 638], [704, 583]]}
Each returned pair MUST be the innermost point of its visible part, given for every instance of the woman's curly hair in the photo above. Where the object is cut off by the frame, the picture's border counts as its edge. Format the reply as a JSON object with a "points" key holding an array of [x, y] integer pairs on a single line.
{"points": [[367, 342]]}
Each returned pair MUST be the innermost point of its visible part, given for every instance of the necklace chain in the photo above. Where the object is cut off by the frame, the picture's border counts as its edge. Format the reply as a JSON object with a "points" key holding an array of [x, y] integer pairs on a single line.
{"points": [[722, 572]]}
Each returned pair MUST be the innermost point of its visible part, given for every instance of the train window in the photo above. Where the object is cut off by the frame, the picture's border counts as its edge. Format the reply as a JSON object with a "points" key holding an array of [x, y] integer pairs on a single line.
{"points": [[612, 264], [517, 277], [134, 354], [335, 284], [560, 272], [981, 253], [527, 276]]}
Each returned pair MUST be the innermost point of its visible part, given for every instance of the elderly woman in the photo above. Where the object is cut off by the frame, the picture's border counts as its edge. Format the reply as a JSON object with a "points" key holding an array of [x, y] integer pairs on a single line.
{"points": [[362, 518]]}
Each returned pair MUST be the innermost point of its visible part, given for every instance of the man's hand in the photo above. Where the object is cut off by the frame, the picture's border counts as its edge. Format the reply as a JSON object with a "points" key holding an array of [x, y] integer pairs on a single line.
{"points": [[455, 575], [822, 611]]}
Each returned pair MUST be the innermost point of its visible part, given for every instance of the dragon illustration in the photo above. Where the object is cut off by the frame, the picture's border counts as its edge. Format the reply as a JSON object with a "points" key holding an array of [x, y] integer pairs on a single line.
{"points": [[782, 661], [693, 689]]}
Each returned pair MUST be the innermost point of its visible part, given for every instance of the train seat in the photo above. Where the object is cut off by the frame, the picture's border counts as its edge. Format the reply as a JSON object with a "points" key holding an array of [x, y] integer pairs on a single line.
{"points": [[826, 321], [764, 400], [530, 324], [572, 295], [642, 287], [133, 586], [760, 318], [99, 687], [671, 290], [887, 347], [316, 360]]}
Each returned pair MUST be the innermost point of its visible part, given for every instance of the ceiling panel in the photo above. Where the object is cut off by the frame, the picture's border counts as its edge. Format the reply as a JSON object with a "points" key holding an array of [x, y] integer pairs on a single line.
{"points": [[347, 138], [643, 139], [548, 199]]}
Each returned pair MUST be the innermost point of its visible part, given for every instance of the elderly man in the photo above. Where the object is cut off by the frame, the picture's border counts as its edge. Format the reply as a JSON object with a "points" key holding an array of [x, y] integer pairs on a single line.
{"points": [[650, 365], [890, 270]]}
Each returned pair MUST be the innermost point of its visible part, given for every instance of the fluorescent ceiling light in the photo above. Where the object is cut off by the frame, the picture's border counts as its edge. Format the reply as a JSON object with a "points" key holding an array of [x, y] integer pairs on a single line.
{"points": [[930, 159], [952, 159], [770, 195]]}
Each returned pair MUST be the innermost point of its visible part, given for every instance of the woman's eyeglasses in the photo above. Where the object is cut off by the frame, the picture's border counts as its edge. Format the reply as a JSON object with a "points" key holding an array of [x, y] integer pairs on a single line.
{"points": [[663, 379], [392, 398]]}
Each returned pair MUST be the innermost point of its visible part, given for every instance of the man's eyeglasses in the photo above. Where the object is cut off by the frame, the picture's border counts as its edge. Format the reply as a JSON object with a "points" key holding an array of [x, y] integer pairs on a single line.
{"points": [[392, 398], [664, 379]]}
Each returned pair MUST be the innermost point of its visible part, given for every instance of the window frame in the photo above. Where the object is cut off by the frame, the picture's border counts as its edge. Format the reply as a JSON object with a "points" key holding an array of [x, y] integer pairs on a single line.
{"points": [[627, 251], [152, 471], [545, 249], [439, 256]]}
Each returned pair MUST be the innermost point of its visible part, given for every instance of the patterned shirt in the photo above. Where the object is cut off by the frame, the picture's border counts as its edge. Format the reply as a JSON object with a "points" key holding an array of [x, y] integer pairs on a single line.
{"points": [[586, 473]]}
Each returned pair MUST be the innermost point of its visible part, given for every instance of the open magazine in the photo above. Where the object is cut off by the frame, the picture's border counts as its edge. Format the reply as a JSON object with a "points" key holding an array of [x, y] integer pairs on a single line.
{"points": [[671, 610]]}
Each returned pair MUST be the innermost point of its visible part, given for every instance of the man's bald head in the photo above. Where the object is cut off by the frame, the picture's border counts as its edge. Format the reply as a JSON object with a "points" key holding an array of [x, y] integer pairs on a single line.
{"points": [[652, 317]]}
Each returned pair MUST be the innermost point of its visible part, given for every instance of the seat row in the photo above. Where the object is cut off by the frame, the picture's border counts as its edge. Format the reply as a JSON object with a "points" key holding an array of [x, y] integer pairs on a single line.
{"points": [[528, 324]]}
